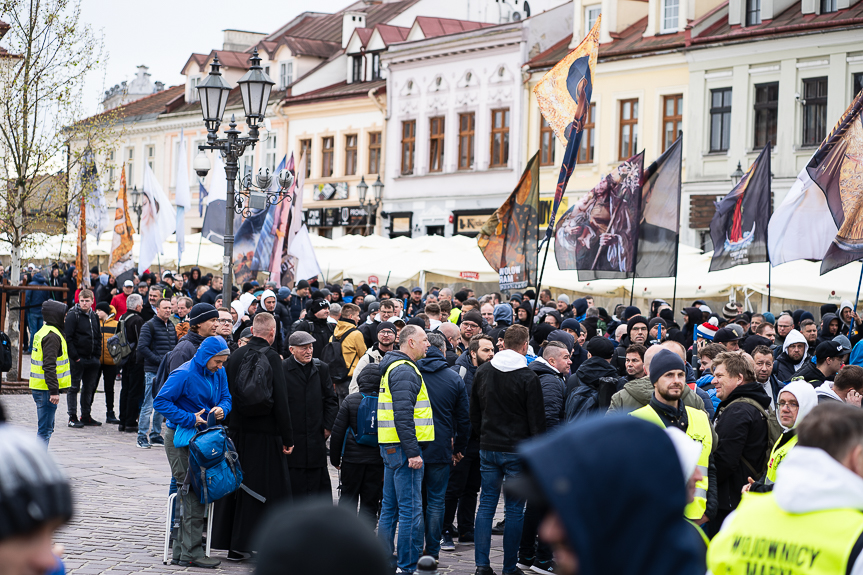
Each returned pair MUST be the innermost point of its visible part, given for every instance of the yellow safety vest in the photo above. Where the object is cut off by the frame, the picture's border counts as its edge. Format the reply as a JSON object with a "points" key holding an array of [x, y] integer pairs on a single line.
{"points": [[777, 455], [761, 537], [423, 421], [37, 371], [699, 430], [454, 314]]}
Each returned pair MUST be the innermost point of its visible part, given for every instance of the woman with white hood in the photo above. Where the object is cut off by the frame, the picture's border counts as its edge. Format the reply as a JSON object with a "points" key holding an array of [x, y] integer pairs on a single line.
{"points": [[796, 400]]}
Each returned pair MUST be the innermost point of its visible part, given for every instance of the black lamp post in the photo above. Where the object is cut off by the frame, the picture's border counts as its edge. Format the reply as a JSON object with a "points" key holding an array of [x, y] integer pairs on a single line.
{"points": [[255, 87], [737, 175], [136, 205], [370, 205]]}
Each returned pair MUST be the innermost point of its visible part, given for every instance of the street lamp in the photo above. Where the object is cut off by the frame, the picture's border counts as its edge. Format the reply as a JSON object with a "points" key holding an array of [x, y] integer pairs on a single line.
{"points": [[371, 206], [255, 87], [136, 205], [737, 175]]}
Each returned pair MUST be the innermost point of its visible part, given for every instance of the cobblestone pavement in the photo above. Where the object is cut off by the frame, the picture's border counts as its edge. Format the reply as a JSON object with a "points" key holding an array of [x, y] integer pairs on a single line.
{"points": [[120, 498]]}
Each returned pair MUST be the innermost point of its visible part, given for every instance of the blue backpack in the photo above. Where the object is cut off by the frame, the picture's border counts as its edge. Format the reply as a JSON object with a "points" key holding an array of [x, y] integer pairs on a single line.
{"points": [[214, 466], [367, 421]]}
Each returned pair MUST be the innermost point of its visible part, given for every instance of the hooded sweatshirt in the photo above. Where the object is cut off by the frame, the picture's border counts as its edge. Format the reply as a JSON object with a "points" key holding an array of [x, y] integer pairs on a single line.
{"points": [[785, 367], [613, 523], [825, 393], [192, 387], [824, 330], [54, 313], [503, 315]]}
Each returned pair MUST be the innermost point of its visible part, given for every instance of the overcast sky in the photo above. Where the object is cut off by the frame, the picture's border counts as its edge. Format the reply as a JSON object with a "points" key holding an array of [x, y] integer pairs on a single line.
{"points": [[163, 33]]}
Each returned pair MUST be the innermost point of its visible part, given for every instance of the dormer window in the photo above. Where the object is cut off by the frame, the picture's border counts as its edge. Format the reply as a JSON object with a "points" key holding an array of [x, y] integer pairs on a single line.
{"points": [[286, 74], [828, 6], [193, 93], [356, 68], [376, 65], [670, 12], [753, 12], [591, 15]]}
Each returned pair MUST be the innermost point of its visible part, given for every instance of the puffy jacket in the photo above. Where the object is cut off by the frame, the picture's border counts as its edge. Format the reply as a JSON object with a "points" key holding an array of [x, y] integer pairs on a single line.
{"points": [[589, 374], [404, 383], [637, 393], [810, 373], [353, 346], [449, 402], [108, 329], [83, 334], [185, 349], [465, 361], [369, 382], [553, 387], [157, 339], [298, 304], [210, 296]]}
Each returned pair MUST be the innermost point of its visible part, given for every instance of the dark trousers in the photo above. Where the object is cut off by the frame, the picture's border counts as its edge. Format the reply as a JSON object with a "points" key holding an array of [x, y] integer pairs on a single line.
{"points": [[461, 493], [310, 482], [85, 378], [530, 547], [342, 390], [131, 394], [109, 377], [362, 483]]}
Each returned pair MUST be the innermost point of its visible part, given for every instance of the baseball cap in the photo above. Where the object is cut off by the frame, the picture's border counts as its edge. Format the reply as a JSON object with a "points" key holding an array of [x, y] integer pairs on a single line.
{"points": [[417, 289], [167, 274], [828, 349], [129, 283], [725, 335]]}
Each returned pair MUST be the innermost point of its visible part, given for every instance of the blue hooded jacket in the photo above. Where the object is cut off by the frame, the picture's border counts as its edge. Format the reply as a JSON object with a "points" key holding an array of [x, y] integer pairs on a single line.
{"points": [[37, 298], [503, 314], [615, 523], [192, 387]]}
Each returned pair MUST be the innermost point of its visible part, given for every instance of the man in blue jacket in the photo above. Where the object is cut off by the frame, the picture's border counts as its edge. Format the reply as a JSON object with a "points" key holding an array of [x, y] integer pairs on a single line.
{"points": [[449, 402], [158, 338], [190, 394]]}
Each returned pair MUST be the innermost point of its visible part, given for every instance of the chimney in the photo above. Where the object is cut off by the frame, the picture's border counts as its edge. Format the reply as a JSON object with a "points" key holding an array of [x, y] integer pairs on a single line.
{"points": [[351, 21]]}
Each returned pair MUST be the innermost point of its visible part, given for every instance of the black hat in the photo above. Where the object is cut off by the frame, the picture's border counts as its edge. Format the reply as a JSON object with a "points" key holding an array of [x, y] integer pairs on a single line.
{"points": [[563, 337], [201, 312], [94, 270], [571, 323], [317, 305], [417, 289], [663, 362], [828, 349], [600, 347], [104, 306], [387, 325], [418, 321], [473, 316], [724, 335], [632, 321], [302, 284], [742, 318], [247, 333]]}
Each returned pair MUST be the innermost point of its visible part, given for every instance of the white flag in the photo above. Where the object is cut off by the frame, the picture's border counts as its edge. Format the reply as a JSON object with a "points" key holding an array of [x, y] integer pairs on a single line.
{"points": [[182, 196], [802, 227], [218, 188], [157, 220], [301, 248]]}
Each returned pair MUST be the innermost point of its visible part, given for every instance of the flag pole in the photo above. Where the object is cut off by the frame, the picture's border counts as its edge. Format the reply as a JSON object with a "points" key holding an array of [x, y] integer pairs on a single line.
{"points": [[539, 281], [632, 290], [767, 238], [858, 289], [198, 257]]}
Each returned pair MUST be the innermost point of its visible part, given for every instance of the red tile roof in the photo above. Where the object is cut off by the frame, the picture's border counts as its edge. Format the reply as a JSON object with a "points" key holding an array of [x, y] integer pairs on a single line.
{"points": [[392, 34], [328, 27], [310, 47], [364, 34], [433, 27], [339, 91], [144, 108]]}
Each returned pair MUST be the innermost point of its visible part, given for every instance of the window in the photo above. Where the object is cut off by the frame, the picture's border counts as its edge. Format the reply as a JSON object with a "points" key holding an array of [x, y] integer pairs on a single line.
{"points": [[267, 70], [670, 11], [374, 152], [628, 129], [151, 157], [591, 14], [401, 224], [327, 159], [351, 155], [130, 166], [585, 151], [409, 134], [828, 6], [436, 139], [193, 95], [857, 84], [465, 141], [270, 159], [306, 150], [111, 168], [720, 119], [286, 74], [814, 110], [356, 68], [672, 119], [546, 143], [499, 138], [753, 12], [766, 113], [376, 65], [248, 166]]}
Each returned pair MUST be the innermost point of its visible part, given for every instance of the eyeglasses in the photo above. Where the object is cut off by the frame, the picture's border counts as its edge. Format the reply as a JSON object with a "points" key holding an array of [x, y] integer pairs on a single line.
{"points": [[789, 404], [469, 324], [225, 321]]}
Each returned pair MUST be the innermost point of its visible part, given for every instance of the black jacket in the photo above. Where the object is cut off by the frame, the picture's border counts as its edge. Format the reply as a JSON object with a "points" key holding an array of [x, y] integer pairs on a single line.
{"points": [[185, 350], [313, 406], [579, 356], [209, 296], [284, 314], [742, 432], [405, 384], [783, 368], [618, 360], [465, 361], [506, 406], [52, 344], [157, 339], [320, 330], [589, 374], [553, 386], [449, 402], [810, 373], [370, 332], [147, 311], [83, 334], [278, 421], [134, 323], [369, 381]]}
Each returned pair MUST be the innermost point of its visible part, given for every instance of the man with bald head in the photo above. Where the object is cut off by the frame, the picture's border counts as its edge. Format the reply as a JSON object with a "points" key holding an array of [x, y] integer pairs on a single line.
{"points": [[453, 337]]}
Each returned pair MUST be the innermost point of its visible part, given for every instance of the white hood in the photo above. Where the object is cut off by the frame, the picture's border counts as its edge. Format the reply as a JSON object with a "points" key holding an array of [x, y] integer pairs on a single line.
{"points": [[508, 360], [806, 398], [795, 336], [826, 389], [542, 360], [810, 480], [845, 303]]}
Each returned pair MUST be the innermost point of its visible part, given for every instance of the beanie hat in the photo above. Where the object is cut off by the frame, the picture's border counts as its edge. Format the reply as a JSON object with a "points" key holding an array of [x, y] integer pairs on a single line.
{"points": [[540, 333], [94, 270], [708, 329], [600, 347], [386, 325], [104, 306], [369, 299], [284, 292], [729, 311], [201, 312], [663, 362], [630, 312], [302, 284], [563, 337], [657, 320], [317, 305], [571, 323], [473, 316], [579, 306], [564, 298], [807, 315], [634, 320], [769, 318], [33, 490]]}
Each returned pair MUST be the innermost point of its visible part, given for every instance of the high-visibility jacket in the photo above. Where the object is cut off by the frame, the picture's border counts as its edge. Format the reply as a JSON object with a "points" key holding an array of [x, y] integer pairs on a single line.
{"points": [[777, 455], [423, 421], [761, 537], [37, 371], [699, 429], [455, 314]]}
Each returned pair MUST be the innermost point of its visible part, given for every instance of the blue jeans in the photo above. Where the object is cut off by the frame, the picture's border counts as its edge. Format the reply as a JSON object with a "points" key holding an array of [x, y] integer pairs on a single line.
{"points": [[495, 468], [402, 505], [45, 411], [435, 479], [34, 324], [147, 409]]}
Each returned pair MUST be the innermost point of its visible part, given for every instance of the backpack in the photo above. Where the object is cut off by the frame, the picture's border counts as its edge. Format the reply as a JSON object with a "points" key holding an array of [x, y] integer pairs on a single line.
{"points": [[332, 356], [253, 394], [162, 373], [118, 346], [584, 400], [774, 432], [214, 466], [5, 352], [367, 421]]}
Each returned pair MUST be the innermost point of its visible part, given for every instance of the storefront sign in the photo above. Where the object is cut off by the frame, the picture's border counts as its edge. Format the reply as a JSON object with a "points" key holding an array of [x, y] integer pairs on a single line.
{"points": [[471, 224], [331, 217], [313, 218], [469, 275], [373, 280], [322, 192], [354, 216]]}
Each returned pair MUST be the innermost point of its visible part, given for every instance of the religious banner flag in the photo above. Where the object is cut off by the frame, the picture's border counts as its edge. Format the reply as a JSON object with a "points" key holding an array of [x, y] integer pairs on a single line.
{"points": [[599, 233], [182, 196], [837, 169], [264, 248], [245, 241], [288, 261], [120, 265], [659, 224], [216, 201], [281, 225], [564, 95], [739, 226], [158, 220], [82, 262], [88, 214], [508, 239]]}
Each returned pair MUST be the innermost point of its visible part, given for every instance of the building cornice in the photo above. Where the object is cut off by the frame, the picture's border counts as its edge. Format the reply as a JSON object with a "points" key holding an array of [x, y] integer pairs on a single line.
{"points": [[455, 44]]}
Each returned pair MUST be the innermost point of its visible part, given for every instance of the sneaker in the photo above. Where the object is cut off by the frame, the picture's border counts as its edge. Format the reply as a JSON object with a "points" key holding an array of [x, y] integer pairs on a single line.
{"points": [[111, 418], [158, 440], [204, 562], [484, 571], [90, 422], [446, 542], [544, 567], [143, 444], [498, 529], [525, 562], [73, 422], [466, 539]]}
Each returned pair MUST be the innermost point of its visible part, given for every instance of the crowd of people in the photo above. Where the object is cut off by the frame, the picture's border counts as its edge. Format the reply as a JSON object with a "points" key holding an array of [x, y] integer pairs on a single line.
{"points": [[432, 405]]}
